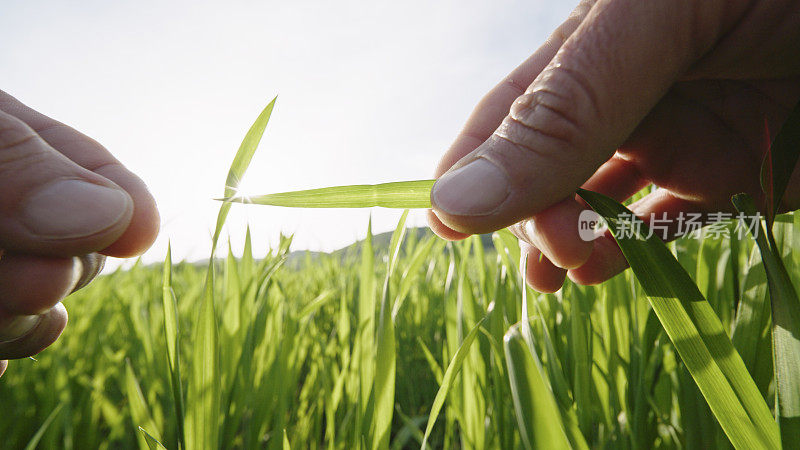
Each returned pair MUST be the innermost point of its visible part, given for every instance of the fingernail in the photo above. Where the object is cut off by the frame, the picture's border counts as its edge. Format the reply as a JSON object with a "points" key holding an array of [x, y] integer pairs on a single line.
{"points": [[17, 327], [46, 330], [478, 188], [85, 268], [73, 208]]}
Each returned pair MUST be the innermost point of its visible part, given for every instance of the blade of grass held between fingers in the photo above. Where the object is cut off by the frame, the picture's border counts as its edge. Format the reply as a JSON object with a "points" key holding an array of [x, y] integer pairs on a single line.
{"points": [[401, 194], [695, 330], [785, 328]]}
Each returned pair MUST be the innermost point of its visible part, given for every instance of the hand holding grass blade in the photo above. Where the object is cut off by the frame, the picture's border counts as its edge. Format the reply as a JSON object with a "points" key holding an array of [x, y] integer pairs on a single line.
{"points": [[402, 194]]}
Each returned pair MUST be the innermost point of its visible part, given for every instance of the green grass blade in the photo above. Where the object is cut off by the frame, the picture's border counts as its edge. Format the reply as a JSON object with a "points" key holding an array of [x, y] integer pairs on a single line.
{"points": [[472, 420], [695, 330], [581, 344], [171, 333], [785, 330], [538, 415], [386, 357], [531, 391], [286, 445], [394, 249], [152, 443], [436, 369], [203, 415], [204, 390], [33, 444], [364, 364], [780, 161], [319, 301], [410, 430], [239, 166], [752, 316], [450, 375], [401, 194], [140, 413], [421, 254]]}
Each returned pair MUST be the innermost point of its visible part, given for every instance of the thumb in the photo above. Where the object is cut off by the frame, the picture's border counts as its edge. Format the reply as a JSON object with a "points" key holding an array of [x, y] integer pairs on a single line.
{"points": [[604, 79], [48, 204]]}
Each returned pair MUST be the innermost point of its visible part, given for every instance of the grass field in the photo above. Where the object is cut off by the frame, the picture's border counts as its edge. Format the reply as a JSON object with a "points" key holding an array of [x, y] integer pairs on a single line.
{"points": [[407, 341], [349, 350]]}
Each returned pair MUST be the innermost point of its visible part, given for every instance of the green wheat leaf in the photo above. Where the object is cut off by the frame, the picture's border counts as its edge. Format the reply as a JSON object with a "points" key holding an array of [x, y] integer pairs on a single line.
{"points": [[152, 443], [402, 194], [785, 329], [697, 333], [34, 442], [239, 166], [538, 416], [449, 377], [171, 333]]}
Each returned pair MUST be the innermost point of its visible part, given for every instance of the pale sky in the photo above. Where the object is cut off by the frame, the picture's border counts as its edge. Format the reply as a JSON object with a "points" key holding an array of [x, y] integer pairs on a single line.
{"points": [[368, 92]]}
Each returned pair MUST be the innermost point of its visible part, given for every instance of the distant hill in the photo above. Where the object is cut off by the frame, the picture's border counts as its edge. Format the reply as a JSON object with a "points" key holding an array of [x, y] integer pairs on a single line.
{"points": [[380, 242]]}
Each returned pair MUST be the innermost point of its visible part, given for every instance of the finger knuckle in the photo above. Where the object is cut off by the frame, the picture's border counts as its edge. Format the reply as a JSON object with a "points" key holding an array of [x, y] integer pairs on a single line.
{"points": [[16, 146], [553, 116], [13, 135]]}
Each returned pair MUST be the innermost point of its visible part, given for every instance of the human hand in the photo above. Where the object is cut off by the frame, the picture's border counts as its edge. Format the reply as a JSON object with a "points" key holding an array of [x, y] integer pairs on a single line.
{"points": [[65, 202], [622, 95]]}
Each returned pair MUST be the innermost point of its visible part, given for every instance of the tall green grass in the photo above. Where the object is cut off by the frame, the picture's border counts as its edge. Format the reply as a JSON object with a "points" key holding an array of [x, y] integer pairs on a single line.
{"points": [[412, 341], [298, 350]]}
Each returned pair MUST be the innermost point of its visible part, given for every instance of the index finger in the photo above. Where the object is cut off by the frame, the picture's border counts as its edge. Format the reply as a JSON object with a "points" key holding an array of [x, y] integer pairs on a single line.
{"points": [[494, 106], [88, 153]]}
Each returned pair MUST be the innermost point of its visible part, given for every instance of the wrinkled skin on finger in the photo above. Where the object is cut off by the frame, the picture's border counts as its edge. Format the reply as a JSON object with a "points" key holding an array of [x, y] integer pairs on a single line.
{"points": [[624, 94], [66, 203]]}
